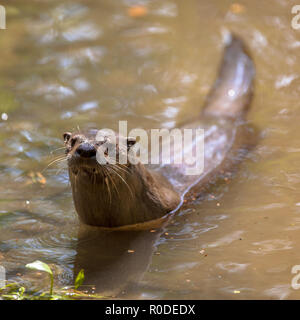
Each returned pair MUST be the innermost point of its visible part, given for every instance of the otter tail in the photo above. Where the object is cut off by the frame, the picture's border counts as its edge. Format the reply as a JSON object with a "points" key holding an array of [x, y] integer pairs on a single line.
{"points": [[232, 92]]}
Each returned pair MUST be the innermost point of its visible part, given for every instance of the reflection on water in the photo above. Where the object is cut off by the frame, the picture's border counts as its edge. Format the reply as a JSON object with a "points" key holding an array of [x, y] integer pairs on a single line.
{"points": [[67, 64], [114, 261]]}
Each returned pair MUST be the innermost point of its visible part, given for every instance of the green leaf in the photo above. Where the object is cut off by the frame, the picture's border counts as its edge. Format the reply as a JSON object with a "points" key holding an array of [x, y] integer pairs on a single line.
{"points": [[79, 279], [21, 291], [40, 266]]}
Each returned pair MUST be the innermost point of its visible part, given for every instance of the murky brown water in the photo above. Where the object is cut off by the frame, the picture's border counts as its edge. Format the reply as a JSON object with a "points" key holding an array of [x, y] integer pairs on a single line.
{"points": [[68, 63]]}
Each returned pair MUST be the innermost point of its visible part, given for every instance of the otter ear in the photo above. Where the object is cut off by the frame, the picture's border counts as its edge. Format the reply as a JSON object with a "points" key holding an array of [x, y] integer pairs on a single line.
{"points": [[67, 136], [130, 142]]}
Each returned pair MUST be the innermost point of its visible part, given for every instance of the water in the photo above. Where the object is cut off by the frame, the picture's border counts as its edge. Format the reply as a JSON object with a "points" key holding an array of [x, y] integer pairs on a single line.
{"points": [[70, 63]]}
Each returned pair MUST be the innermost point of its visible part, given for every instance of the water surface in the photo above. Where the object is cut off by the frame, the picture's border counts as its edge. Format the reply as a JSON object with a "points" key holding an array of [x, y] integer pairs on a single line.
{"points": [[66, 64]]}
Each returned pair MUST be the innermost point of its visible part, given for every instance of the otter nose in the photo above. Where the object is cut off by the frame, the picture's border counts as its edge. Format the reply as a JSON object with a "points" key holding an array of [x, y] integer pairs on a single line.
{"points": [[86, 150]]}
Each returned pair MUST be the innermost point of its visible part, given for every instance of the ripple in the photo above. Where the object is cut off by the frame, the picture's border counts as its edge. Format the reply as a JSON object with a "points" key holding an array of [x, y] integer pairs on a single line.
{"points": [[168, 9], [81, 84], [146, 30], [88, 106], [53, 91], [190, 231], [269, 246], [228, 239], [232, 267], [280, 291], [285, 80]]}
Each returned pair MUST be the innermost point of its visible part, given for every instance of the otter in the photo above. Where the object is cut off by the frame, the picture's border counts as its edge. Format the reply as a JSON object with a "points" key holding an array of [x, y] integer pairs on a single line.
{"points": [[124, 195]]}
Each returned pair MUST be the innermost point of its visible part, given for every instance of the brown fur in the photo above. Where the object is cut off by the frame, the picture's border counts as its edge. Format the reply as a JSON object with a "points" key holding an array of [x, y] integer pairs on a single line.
{"points": [[119, 195]]}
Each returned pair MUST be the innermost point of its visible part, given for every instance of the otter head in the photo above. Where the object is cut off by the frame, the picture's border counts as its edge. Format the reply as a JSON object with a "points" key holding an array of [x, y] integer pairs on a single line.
{"points": [[97, 151], [110, 187]]}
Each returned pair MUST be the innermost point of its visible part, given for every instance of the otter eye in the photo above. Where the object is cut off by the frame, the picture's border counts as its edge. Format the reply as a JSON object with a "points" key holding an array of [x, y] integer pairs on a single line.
{"points": [[66, 136], [73, 142], [130, 142]]}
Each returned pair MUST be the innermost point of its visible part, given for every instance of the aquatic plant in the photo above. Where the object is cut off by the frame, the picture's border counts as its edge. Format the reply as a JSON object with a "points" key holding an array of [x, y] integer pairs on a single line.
{"points": [[15, 291]]}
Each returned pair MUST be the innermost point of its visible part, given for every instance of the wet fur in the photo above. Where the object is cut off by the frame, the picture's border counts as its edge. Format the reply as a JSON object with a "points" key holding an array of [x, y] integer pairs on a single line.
{"points": [[120, 195]]}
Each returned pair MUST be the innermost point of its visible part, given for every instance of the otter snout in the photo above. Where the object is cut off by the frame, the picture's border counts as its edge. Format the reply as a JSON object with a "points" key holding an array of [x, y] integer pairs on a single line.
{"points": [[86, 150]]}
